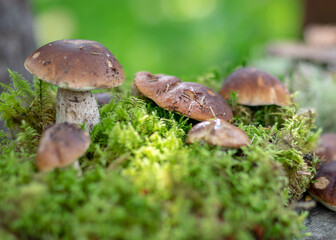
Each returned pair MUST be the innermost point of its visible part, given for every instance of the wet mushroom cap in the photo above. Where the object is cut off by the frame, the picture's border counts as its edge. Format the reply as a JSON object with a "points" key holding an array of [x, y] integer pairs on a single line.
{"points": [[326, 150], [60, 145], [219, 133], [255, 87], [190, 99], [323, 187], [79, 65]]}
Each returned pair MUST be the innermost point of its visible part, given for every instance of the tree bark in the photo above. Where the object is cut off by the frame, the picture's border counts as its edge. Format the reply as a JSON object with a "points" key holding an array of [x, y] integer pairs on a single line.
{"points": [[16, 38], [319, 12]]}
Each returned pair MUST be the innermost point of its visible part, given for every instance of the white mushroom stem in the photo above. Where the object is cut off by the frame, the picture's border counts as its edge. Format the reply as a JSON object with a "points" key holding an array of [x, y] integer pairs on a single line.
{"points": [[78, 168], [77, 107]]}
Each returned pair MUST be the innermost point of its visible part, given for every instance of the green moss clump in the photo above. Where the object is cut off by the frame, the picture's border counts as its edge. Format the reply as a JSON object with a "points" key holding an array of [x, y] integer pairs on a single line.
{"points": [[140, 181], [23, 102], [291, 135]]}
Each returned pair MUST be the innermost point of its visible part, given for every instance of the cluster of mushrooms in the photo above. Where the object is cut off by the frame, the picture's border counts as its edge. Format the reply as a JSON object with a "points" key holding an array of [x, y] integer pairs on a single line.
{"points": [[79, 66], [76, 67], [254, 87]]}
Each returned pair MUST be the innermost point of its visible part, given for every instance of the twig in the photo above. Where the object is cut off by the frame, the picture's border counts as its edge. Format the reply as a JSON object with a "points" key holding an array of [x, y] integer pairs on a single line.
{"points": [[213, 113], [118, 161]]}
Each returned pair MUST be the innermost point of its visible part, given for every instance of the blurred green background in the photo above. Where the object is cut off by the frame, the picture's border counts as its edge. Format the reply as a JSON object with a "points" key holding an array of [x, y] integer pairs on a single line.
{"points": [[185, 38]]}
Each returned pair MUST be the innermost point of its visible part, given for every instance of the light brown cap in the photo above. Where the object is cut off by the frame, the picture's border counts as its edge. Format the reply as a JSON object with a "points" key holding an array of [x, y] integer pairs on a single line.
{"points": [[219, 133], [60, 145], [78, 65], [255, 87], [326, 150], [323, 187], [190, 99]]}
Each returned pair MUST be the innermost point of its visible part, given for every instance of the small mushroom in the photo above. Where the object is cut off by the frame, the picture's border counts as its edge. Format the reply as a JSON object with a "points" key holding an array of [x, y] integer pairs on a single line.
{"points": [[76, 67], [323, 187], [255, 87], [326, 150], [103, 98], [219, 133], [190, 99], [60, 145]]}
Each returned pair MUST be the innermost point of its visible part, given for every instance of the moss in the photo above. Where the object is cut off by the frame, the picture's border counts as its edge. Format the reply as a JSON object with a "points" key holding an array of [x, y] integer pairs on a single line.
{"points": [[22, 102], [316, 86], [140, 180]]}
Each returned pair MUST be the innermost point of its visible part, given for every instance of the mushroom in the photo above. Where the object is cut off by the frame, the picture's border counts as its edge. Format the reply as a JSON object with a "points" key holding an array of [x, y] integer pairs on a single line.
{"points": [[326, 150], [103, 98], [61, 144], [323, 187], [219, 133], [76, 67], [190, 99], [255, 87]]}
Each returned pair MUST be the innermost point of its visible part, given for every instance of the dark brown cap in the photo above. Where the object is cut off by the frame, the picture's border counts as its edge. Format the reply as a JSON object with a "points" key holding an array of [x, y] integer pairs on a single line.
{"points": [[103, 98], [255, 87], [326, 150], [60, 145], [190, 99], [323, 187], [79, 65], [219, 133]]}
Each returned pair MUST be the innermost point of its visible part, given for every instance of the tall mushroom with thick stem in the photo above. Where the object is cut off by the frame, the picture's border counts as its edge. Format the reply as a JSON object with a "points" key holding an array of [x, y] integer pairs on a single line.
{"points": [[76, 67]]}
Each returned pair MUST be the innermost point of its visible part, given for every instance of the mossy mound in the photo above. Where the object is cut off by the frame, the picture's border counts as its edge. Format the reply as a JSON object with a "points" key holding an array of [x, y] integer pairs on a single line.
{"points": [[141, 181]]}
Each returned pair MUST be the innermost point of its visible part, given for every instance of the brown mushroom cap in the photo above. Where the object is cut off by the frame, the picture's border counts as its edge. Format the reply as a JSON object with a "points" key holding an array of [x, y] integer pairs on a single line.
{"points": [[219, 133], [324, 187], [190, 99], [79, 65], [60, 145], [255, 87], [103, 98], [326, 150]]}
